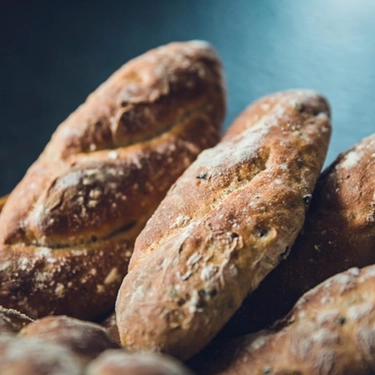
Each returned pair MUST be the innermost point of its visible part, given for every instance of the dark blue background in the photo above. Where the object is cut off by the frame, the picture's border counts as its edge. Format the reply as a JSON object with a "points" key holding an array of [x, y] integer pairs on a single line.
{"points": [[53, 54]]}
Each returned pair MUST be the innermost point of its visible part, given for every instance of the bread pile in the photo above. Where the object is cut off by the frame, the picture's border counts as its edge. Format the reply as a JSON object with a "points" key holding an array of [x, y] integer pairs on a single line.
{"points": [[68, 229], [202, 246]]}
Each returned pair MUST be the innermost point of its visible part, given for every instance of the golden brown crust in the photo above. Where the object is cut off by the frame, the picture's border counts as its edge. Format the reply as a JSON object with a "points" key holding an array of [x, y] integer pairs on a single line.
{"points": [[81, 205], [87, 340], [82, 280], [222, 227], [264, 105], [12, 321], [118, 362], [338, 233], [329, 331]]}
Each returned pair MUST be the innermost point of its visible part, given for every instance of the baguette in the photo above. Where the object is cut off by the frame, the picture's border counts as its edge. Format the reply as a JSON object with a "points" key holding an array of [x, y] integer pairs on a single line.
{"points": [[68, 229], [330, 331], [339, 233], [223, 226]]}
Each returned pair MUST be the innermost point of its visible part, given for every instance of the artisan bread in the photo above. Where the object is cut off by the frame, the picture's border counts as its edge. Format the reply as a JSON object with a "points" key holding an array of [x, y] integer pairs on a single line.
{"points": [[67, 230], [329, 331], [118, 362], [223, 226], [339, 233], [87, 340]]}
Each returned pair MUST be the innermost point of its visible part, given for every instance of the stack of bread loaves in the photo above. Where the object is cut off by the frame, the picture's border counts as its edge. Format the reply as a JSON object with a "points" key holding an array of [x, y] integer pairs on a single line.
{"points": [[197, 249], [67, 230]]}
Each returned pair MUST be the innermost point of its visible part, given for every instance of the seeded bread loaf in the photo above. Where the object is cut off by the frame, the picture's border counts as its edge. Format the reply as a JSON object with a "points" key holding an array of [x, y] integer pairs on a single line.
{"points": [[339, 233], [223, 226], [67, 230], [329, 331]]}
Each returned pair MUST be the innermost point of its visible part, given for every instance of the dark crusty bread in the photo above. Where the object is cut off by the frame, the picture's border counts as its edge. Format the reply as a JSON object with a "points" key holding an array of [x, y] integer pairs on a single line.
{"points": [[118, 362], [67, 230], [32, 356], [87, 340], [330, 331], [339, 233], [223, 226], [12, 321]]}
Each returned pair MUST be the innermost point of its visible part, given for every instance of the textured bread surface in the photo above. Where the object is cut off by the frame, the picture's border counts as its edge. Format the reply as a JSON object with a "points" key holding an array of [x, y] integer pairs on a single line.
{"points": [[67, 230], [330, 331], [339, 233], [87, 340], [118, 362], [223, 226]]}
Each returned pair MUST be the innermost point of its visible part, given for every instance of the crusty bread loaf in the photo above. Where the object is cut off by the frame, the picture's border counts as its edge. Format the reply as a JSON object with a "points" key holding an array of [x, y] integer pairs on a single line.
{"points": [[118, 362], [67, 230], [330, 331], [12, 321], [339, 233], [32, 356], [87, 340], [223, 226]]}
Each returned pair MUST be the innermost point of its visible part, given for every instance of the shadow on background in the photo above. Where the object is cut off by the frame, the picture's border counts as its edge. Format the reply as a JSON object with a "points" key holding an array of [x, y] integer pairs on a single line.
{"points": [[54, 55]]}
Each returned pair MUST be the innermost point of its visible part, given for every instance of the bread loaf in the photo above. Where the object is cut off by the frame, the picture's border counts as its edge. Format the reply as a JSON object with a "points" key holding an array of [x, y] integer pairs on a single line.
{"points": [[339, 233], [223, 226], [87, 340], [67, 230], [118, 362], [329, 331]]}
